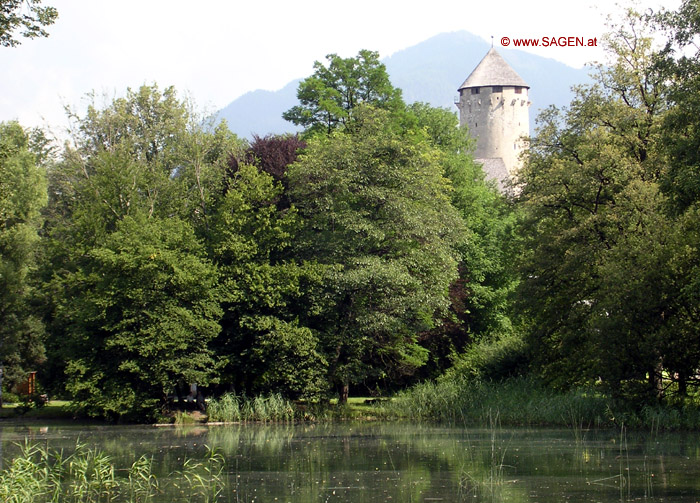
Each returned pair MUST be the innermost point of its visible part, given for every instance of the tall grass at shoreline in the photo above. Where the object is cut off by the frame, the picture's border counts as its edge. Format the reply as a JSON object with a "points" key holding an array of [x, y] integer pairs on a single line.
{"points": [[233, 408], [525, 402]]}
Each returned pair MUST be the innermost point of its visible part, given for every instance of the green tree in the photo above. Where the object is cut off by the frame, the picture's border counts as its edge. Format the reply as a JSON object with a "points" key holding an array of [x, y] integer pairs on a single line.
{"points": [[480, 307], [594, 288], [147, 163], [146, 152], [328, 97], [681, 58], [22, 196], [487, 250], [26, 15], [142, 313], [263, 344], [377, 213], [679, 182], [127, 274]]}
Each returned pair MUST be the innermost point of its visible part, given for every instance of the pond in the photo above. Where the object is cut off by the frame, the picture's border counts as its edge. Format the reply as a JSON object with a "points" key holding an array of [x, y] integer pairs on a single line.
{"points": [[402, 462]]}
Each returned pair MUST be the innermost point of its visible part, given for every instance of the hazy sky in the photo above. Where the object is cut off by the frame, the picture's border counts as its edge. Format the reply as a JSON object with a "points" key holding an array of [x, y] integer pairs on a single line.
{"points": [[217, 50]]}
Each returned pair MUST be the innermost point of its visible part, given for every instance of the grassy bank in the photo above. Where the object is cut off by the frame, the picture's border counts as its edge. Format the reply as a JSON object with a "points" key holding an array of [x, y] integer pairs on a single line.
{"points": [[524, 402], [275, 408], [227, 408], [56, 409]]}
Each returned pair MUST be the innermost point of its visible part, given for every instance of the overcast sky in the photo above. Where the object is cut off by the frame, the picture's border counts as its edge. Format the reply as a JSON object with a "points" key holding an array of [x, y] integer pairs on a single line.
{"points": [[217, 50]]}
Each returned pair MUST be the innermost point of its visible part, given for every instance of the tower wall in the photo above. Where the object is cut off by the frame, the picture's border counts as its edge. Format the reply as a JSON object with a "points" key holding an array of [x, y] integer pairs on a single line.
{"points": [[498, 117]]}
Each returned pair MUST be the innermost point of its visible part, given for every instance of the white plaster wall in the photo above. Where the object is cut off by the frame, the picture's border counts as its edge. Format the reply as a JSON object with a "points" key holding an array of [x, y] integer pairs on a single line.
{"points": [[497, 120]]}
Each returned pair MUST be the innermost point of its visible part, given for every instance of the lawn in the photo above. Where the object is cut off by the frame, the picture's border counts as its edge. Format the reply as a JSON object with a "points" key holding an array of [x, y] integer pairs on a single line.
{"points": [[55, 409]]}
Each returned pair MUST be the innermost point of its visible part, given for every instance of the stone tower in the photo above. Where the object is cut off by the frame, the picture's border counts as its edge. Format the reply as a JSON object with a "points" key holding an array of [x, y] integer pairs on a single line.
{"points": [[493, 103]]}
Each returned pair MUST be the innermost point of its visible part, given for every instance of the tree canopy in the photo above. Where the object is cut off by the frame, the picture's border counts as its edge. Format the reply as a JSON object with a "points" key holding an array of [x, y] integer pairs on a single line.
{"points": [[328, 97], [22, 197], [29, 16], [376, 209], [606, 270], [158, 250], [135, 298]]}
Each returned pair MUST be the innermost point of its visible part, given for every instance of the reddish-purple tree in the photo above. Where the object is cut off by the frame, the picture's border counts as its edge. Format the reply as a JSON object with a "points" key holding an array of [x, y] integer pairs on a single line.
{"points": [[271, 154]]}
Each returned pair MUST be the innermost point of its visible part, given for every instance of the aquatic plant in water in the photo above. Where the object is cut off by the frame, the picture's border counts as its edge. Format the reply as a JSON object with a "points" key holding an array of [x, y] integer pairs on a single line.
{"points": [[41, 474]]}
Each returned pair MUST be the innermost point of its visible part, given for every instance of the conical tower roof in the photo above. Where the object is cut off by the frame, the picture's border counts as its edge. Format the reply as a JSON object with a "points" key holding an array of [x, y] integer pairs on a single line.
{"points": [[493, 71]]}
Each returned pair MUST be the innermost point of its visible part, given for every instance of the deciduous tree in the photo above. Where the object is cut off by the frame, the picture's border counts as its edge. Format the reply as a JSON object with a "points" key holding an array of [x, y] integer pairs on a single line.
{"points": [[134, 296], [328, 97], [22, 196], [26, 15], [598, 283], [142, 312], [480, 306], [377, 212]]}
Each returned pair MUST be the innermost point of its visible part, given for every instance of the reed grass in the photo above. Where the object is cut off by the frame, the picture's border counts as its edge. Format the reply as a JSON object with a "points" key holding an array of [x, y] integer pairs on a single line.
{"points": [[516, 401], [234, 408], [40, 474], [203, 480], [527, 402]]}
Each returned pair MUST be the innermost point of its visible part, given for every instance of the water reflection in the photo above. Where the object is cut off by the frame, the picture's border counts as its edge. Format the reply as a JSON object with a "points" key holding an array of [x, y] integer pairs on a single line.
{"points": [[390, 462]]}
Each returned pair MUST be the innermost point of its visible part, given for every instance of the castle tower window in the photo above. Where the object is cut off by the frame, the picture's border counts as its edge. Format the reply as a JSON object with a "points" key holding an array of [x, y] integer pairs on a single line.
{"points": [[497, 125]]}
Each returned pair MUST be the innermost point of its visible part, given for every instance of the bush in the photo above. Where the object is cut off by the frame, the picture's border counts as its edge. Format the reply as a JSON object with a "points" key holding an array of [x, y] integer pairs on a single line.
{"points": [[8, 397], [496, 358]]}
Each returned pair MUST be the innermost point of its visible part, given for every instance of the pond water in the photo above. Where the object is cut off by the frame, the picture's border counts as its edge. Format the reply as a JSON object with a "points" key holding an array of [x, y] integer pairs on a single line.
{"points": [[402, 462]]}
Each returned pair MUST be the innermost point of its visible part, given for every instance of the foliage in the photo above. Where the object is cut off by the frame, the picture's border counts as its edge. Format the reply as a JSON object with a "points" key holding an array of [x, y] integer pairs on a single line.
{"points": [[680, 140], [681, 133], [22, 196], [133, 301], [167, 267], [480, 297], [272, 154], [372, 252], [376, 211], [521, 401], [462, 400], [145, 152], [26, 15], [492, 358], [610, 223], [286, 356], [262, 343], [597, 292], [145, 320], [328, 98]]}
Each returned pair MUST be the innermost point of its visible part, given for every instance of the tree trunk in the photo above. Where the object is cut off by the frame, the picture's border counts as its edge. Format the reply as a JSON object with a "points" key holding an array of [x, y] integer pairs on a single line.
{"points": [[343, 392], [656, 381], [682, 384]]}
